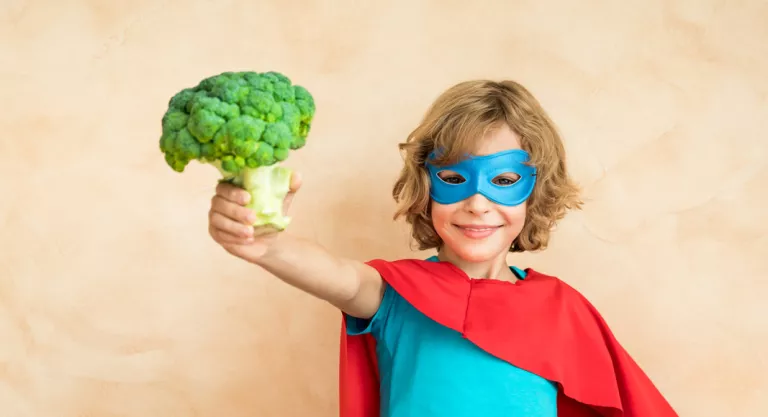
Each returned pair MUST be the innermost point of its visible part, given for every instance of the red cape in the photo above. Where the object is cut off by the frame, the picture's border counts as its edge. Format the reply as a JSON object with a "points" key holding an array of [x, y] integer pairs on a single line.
{"points": [[539, 324]]}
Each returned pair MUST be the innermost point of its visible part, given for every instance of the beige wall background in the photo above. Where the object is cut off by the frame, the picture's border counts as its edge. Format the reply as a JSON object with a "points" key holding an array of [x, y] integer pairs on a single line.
{"points": [[114, 302]]}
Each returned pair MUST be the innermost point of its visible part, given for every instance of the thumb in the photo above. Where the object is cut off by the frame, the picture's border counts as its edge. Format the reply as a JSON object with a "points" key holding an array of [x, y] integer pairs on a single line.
{"points": [[295, 183], [292, 190]]}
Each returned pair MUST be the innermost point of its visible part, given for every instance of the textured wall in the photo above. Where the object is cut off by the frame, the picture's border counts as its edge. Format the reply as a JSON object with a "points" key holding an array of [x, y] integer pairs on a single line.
{"points": [[115, 302]]}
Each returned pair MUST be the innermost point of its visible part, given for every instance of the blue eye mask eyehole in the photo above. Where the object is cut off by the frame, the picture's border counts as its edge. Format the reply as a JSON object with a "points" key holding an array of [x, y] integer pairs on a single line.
{"points": [[503, 177]]}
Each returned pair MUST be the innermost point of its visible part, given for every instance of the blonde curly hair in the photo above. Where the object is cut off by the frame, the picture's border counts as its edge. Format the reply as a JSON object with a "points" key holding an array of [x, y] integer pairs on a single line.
{"points": [[454, 123]]}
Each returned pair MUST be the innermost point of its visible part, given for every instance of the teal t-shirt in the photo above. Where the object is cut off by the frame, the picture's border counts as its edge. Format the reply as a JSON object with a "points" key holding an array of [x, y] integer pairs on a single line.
{"points": [[429, 370]]}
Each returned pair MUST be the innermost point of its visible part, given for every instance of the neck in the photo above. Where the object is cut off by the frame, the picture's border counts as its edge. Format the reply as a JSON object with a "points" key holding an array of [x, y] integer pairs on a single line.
{"points": [[494, 268]]}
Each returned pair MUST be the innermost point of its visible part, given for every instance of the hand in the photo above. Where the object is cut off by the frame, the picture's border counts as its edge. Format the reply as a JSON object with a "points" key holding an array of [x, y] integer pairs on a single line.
{"points": [[230, 222]]}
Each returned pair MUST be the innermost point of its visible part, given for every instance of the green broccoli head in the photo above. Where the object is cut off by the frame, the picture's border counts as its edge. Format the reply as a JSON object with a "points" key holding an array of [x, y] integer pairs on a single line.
{"points": [[249, 117], [240, 122]]}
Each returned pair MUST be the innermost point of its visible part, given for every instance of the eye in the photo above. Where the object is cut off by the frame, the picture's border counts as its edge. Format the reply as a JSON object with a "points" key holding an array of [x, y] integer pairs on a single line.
{"points": [[505, 180], [451, 177]]}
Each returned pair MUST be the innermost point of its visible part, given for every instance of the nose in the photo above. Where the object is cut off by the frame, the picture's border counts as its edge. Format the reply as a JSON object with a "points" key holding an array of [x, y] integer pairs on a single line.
{"points": [[478, 204]]}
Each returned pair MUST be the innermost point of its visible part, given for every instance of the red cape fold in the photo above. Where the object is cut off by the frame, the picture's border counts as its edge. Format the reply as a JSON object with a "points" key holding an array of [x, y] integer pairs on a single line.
{"points": [[539, 324]]}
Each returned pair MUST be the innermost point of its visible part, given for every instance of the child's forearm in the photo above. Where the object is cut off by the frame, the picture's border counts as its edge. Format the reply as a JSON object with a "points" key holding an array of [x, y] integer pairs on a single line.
{"points": [[350, 285]]}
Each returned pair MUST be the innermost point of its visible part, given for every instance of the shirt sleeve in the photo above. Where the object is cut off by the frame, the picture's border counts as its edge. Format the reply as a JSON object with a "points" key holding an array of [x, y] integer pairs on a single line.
{"points": [[374, 325]]}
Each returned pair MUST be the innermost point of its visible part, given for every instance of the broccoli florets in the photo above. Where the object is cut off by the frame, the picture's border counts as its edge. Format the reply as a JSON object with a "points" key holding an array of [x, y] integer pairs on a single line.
{"points": [[244, 124]]}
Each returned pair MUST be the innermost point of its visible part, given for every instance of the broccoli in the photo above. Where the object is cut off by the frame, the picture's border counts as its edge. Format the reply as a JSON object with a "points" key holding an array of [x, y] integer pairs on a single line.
{"points": [[244, 124]]}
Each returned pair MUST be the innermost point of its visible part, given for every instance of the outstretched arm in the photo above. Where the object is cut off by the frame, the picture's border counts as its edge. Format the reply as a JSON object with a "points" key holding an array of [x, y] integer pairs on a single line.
{"points": [[352, 286]]}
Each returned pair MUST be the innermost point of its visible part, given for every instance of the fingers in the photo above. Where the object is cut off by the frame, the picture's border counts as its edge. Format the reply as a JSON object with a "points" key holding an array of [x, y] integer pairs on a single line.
{"points": [[225, 238], [230, 222], [229, 230], [231, 210], [232, 193]]}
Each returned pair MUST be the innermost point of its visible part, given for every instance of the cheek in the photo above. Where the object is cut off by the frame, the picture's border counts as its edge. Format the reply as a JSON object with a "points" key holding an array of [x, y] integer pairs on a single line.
{"points": [[515, 216], [440, 214]]}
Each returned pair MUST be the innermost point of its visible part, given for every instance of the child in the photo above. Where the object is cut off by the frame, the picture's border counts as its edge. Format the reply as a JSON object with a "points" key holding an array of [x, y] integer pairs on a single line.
{"points": [[462, 333]]}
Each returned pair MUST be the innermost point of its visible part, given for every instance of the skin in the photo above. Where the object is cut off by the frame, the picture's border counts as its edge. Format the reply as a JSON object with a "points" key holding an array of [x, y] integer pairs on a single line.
{"points": [[350, 285]]}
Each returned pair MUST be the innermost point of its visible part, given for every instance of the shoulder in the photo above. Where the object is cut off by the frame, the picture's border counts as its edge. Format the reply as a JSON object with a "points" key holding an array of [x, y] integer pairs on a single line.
{"points": [[555, 284], [534, 275], [402, 263], [564, 294], [431, 266], [409, 269]]}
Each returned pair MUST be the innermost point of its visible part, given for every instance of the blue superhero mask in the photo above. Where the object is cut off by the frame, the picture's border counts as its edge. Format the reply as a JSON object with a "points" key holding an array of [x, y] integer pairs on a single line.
{"points": [[476, 174]]}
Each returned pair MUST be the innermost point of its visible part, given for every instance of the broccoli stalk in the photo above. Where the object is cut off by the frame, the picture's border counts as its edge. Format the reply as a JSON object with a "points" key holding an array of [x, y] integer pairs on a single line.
{"points": [[268, 186], [245, 124]]}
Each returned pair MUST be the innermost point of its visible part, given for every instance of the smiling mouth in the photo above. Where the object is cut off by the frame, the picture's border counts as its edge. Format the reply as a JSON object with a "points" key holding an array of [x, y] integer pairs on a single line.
{"points": [[477, 231], [477, 228]]}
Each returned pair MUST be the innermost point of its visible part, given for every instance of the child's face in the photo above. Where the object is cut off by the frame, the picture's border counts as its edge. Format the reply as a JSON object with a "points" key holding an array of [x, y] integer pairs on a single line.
{"points": [[476, 229]]}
